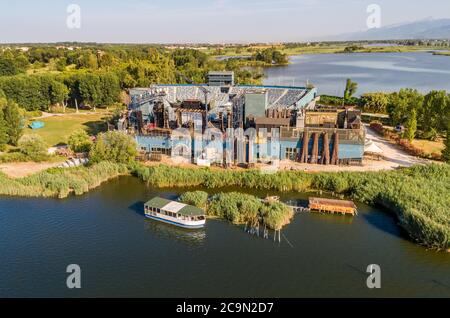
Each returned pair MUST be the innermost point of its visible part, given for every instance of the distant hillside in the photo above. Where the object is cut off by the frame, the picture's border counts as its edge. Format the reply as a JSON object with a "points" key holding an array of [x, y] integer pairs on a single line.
{"points": [[423, 29]]}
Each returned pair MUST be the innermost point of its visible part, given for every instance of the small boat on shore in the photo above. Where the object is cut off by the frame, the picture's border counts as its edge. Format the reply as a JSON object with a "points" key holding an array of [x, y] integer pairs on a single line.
{"points": [[175, 213]]}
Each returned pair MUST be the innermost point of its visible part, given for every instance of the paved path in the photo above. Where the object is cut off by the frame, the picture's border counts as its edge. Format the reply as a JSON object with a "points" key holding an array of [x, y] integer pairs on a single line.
{"points": [[393, 154]]}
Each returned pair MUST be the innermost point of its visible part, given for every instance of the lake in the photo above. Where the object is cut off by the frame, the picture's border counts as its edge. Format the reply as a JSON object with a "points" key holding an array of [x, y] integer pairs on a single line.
{"points": [[372, 71], [121, 253]]}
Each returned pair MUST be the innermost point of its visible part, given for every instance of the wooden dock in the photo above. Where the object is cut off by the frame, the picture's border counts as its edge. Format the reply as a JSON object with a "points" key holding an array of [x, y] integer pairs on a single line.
{"points": [[332, 206]]}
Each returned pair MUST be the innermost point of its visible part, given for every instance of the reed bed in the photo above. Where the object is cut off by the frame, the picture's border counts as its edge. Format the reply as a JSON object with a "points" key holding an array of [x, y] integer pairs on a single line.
{"points": [[418, 196], [241, 208], [60, 182]]}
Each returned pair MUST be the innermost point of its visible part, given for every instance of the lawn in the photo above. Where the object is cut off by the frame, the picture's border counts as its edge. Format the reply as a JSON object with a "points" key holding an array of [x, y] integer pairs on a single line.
{"points": [[58, 128]]}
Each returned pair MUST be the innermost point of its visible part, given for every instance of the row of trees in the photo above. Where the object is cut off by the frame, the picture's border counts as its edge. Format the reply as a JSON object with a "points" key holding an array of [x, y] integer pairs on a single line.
{"points": [[12, 63], [271, 56], [430, 113], [97, 76], [39, 92]]}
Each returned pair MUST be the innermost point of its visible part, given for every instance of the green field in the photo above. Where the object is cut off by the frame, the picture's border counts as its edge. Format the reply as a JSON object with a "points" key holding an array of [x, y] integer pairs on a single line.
{"points": [[318, 49], [58, 128]]}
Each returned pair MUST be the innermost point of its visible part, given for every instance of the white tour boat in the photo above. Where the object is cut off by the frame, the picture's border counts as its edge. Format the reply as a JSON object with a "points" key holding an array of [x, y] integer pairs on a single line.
{"points": [[175, 213]]}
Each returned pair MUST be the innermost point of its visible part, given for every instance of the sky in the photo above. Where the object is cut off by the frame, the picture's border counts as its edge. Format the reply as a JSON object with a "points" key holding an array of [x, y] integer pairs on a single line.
{"points": [[201, 21]]}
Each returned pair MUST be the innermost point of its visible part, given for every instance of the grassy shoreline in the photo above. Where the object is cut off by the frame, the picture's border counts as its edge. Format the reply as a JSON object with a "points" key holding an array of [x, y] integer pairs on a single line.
{"points": [[419, 196], [60, 182]]}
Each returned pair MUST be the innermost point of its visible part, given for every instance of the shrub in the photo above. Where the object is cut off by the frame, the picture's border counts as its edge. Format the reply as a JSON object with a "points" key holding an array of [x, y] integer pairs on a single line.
{"points": [[13, 157], [33, 147], [241, 208], [114, 146], [79, 141], [196, 198]]}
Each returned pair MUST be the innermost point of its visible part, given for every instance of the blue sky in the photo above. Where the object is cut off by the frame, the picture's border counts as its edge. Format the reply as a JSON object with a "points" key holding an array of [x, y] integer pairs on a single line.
{"points": [[215, 21]]}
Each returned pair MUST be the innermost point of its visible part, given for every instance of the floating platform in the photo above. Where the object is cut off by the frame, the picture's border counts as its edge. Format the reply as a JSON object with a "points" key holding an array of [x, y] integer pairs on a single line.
{"points": [[332, 206]]}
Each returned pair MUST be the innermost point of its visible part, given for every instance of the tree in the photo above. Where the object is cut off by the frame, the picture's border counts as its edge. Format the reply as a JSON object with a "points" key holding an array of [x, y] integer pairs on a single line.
{"points": [[402, 103], [110, 89], [90, 91], [58, 94], [14, 122], [61, 64], [8, 67], [375, 102], [79, 141], [88, 60], [113, 146], [446, 151], [34, 147], [433, 114], [4, 138], [411, 126], [350, 89]]}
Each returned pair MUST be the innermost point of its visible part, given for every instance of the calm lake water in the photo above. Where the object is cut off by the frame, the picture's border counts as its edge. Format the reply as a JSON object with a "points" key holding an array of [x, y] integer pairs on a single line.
{"points": [[372, 71], [123, 254]]}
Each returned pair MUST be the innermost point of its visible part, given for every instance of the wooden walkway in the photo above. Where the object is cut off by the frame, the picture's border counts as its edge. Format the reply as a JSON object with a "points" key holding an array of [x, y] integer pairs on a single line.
{"points": [[332, 206], [323, 205]]}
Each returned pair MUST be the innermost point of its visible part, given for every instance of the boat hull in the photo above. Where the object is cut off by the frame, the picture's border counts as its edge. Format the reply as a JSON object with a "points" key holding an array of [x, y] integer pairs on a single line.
{"points": [[191, 225]]}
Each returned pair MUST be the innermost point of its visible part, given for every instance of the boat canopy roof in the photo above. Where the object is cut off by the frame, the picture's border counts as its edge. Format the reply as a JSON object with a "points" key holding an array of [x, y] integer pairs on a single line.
{"points": [[174, 207]]}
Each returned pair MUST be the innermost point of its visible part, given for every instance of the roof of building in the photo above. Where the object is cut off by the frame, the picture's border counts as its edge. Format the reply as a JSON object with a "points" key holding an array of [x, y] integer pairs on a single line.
{"points": [[174, 206], [220, 73], [272, 121], [371, 147], [339, 203], [277, 96]]}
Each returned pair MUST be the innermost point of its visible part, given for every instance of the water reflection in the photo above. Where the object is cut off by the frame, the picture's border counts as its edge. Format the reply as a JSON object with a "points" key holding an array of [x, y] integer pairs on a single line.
{"points": [[172, 232], [374, 72]]}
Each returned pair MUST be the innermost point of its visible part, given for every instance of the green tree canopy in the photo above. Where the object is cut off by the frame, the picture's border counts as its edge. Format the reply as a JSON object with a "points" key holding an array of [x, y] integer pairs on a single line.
{"points": [[14, 122], [435, 110], [114, 146], [411, 126], [375, 102], [79, 141], [4, 138], [350, 89], [446, 151], [402, 103], [8, 67], [33, 146]]}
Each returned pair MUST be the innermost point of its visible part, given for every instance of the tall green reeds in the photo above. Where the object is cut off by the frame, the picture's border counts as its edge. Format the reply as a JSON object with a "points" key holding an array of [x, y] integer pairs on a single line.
{"points": [[418, 196], [241, 208], [60, 182]]}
